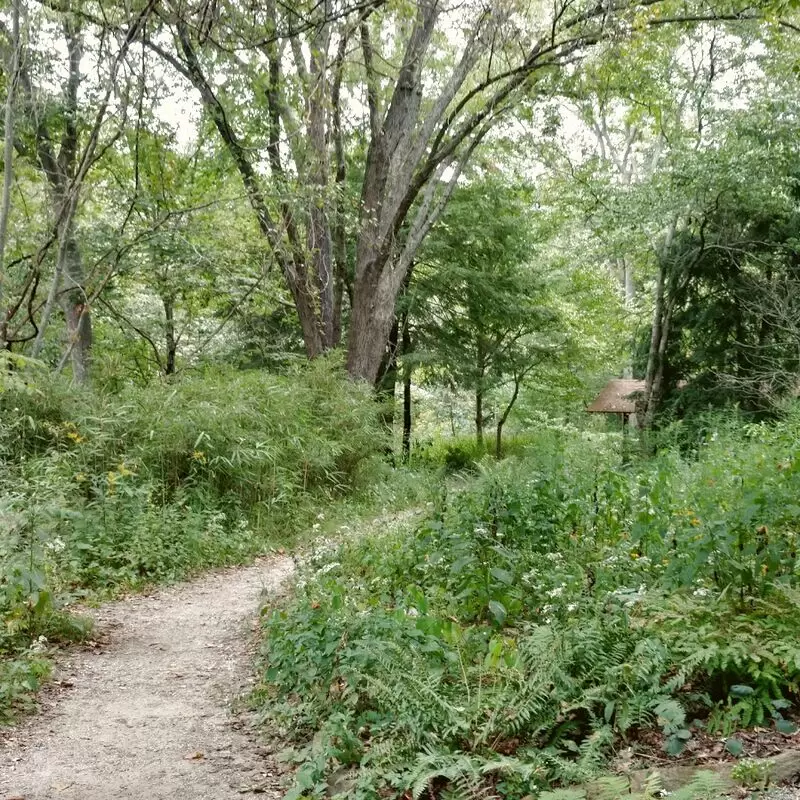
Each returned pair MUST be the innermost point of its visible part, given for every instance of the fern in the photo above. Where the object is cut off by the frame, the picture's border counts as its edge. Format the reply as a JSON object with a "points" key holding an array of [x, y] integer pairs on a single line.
{"points": [[705, 785], [611, 787], [563, 794]]}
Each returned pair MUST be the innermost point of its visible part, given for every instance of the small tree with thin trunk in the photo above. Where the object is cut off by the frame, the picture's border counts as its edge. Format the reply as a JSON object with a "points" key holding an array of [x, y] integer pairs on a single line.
{"points": [[478, 309]]}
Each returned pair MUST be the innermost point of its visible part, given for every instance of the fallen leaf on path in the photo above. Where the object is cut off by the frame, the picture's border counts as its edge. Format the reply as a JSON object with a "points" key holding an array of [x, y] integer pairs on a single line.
{"points": [[196, 756]]}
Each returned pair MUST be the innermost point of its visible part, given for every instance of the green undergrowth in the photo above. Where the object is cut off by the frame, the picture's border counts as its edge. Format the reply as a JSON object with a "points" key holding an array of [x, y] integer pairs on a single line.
{"points": [[559, 608], [102, 493], [464, 453]]}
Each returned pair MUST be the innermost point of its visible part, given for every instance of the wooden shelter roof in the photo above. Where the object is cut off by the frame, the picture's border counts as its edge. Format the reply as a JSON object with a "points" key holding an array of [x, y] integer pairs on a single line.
{"points": [[615, 397]]}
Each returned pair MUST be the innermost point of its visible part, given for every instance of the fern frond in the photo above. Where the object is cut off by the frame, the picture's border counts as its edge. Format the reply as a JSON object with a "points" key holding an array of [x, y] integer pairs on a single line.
{"points": [[706, 785]]}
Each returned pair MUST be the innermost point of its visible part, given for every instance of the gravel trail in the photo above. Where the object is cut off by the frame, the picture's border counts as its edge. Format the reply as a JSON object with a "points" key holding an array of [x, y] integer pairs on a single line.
{"points": [[147, 715]]}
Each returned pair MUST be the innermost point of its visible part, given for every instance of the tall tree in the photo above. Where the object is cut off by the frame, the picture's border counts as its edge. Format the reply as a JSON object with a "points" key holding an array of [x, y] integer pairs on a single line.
{"points": [[81, 140], [422, 83]]}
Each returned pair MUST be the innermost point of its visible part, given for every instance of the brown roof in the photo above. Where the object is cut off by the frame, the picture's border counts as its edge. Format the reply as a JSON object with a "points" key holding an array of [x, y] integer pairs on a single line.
{"points": [[615, 398]]}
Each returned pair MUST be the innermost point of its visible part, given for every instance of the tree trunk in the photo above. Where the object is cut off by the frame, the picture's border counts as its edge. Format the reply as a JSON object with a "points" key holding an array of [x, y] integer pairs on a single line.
{"points": [[479, 416], [8, 157], [481, 372], [339, 231], [74, 303], [644, 410], [498, 442], [387, 381], [320, 243], [63, 215], [371, 321], [406, 389], [656, 391], [169, 334], [659, 333], [629, 285]]}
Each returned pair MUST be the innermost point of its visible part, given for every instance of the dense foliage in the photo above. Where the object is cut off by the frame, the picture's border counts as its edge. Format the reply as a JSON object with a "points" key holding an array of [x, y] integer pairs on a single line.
{"points": [[227, 229], [536, 621], [102, 491]]}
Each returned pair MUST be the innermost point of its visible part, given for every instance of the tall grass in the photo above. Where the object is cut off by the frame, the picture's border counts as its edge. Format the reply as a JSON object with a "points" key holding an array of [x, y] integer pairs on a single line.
{"points": [[100, 491]]}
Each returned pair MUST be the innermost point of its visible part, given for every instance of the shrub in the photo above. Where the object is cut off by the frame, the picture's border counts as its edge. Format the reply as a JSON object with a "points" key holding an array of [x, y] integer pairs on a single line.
{"points": [[555, 606], [100, 491]]}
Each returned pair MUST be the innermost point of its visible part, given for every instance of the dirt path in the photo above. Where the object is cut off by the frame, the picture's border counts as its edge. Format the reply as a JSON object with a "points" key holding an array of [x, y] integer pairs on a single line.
{"points": [[148, 717]]}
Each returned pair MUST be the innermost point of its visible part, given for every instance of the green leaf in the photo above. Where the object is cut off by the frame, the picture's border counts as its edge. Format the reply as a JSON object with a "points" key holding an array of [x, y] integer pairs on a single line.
{"points": [[498, 611], [741, 690], [502, 575], [734, 746], [785, 726], [458, 565], [674, 745]]}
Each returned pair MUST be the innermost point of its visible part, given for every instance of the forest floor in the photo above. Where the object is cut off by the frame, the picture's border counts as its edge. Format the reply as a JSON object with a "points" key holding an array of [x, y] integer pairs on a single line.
{"points": [[147, 710]]}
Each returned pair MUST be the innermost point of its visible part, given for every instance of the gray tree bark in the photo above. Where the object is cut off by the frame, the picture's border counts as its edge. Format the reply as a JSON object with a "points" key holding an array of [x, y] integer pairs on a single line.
{"points": [[8, 158]]}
